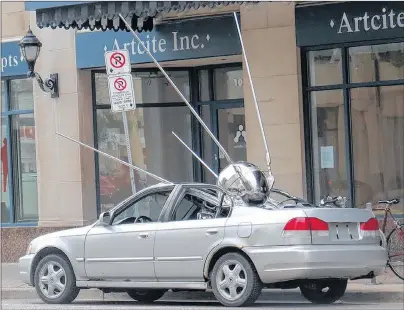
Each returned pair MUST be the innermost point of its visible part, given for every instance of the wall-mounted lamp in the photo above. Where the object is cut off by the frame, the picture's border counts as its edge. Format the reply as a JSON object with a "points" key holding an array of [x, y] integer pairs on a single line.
{"points": [[30, 47]]}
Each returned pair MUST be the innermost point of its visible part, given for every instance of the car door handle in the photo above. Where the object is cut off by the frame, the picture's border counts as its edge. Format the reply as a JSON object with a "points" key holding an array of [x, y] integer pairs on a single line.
{"points": [[211, 232], [143, 235]]}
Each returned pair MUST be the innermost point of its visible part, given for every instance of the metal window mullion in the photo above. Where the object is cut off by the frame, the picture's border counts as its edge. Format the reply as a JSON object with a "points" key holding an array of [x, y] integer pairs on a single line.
{"points": [[9, 156], [95, 137], [195, 128], [348, 127]]}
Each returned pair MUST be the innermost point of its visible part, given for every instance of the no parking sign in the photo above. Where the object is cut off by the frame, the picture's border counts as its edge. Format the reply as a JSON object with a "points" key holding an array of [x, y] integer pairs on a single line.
{"points": [[120, 86], [121, 92]]}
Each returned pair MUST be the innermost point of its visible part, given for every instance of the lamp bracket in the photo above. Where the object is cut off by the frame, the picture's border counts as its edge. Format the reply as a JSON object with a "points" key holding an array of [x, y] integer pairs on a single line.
{"points": [[50, 85]]}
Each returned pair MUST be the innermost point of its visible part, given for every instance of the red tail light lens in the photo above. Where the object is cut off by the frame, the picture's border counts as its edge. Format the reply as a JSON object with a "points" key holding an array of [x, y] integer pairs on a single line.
{"points": [[306, 223], [371, 225]]}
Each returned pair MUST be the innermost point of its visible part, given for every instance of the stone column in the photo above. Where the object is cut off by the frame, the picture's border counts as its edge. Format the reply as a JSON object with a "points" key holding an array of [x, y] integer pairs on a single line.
{"points": [[269, 38], [65, 185]]}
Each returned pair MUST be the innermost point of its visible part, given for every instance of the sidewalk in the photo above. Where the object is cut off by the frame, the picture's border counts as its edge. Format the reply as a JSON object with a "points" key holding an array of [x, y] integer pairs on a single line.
{"points": [[388, 287]]}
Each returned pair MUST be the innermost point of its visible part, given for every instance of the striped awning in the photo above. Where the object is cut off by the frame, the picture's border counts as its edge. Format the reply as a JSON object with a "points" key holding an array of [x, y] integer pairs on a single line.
{"points": [[105, 15]]}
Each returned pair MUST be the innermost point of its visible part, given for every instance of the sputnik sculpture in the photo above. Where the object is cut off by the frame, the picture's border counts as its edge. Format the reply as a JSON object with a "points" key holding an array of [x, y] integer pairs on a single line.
{"points": [[242, 181]]}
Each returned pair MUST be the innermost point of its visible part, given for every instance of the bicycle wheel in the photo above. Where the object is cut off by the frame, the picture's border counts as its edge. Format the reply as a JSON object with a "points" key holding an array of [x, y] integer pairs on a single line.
{"points": [[395, 246]]}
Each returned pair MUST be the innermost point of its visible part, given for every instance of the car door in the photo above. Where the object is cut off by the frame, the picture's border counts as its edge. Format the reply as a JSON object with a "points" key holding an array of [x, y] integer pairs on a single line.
{"points": [[123, 250], [185, 239]]}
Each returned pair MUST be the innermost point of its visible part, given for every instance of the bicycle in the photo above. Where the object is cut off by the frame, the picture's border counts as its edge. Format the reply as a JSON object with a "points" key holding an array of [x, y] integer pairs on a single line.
{"points": [[394, 238]]}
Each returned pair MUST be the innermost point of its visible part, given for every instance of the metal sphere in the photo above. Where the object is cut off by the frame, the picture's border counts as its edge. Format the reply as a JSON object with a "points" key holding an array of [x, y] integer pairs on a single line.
{"points": [[254, 188]]}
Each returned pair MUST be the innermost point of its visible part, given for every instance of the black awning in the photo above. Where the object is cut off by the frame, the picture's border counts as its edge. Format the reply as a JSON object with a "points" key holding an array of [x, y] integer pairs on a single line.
{"points": [[105, 15]]}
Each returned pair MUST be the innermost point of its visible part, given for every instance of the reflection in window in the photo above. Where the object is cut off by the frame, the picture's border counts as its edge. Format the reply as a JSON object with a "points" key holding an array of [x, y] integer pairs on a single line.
{"points": [[21, 94], [228, 83], [378, 143], [5, 193], [3, 96], [328, 130], [153, 147], [24, 167], [325, 67], [149, 87], [377, 62]]}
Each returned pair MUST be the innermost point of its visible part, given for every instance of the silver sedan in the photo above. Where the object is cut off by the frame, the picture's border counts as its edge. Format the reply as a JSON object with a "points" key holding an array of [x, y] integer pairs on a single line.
{"points": [[192, 237]]}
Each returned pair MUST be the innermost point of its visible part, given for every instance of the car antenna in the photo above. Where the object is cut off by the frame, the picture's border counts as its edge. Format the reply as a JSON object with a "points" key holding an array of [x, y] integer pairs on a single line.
{"points": [[267, 157], [116, 159], [245, 182]]}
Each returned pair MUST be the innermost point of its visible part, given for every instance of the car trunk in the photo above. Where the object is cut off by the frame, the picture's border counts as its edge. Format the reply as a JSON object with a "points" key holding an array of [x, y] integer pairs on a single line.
{"points": [[345, 226]]}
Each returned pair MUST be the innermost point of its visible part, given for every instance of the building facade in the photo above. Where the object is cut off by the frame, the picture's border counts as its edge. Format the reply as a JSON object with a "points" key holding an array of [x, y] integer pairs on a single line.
{"points": [[328, 78]]}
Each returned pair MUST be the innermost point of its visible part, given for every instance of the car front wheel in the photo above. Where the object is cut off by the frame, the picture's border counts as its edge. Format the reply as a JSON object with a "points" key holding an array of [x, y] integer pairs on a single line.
{"points": [[55, 281], [146, 296], [324, 291], [235, 281]]}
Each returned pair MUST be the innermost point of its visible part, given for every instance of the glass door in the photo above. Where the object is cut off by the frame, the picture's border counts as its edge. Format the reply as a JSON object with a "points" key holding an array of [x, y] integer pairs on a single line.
{"points": [[222, 109]]}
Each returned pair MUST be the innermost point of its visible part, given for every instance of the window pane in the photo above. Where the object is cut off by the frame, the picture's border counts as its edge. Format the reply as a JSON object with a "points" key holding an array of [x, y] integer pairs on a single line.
{"points": [[21, 94], [325, 67], [377, 62], [228, 83], [232, 135], [5, 194], [24, 167], [153, 147], [149, 87], [3, 96], [150, 206], [378, 144], [204, 89], [328, 128]]}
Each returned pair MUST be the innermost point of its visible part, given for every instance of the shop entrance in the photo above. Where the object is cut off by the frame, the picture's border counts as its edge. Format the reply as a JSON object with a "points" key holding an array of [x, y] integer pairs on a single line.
{"points": [[216, 92]]}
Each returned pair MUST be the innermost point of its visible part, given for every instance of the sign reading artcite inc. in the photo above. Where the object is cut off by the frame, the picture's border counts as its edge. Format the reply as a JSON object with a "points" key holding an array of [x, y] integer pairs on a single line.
{"points": [[349, 22], [190, 39]]}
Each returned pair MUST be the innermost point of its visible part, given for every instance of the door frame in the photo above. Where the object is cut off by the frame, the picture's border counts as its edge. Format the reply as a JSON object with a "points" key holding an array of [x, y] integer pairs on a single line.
{"points": [[214, 107]]}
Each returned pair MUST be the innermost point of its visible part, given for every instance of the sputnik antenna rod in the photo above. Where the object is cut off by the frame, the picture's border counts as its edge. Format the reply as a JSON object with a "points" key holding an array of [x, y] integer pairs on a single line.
{"points": [[244, 181], [178, 91], [116, 159], [268, 159], [193, 153]]}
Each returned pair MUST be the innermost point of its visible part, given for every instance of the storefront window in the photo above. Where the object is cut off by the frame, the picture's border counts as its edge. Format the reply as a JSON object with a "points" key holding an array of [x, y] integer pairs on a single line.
{"points": [[325, 67], [328, 130], [378, 142], [19, 176], [376, 62], [153, 146], [372, 117], [228, 83], [150, 87]]}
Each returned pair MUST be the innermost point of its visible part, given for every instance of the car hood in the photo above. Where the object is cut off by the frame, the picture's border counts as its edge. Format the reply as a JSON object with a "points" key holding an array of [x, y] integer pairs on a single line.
{"points": [[80, 231]]}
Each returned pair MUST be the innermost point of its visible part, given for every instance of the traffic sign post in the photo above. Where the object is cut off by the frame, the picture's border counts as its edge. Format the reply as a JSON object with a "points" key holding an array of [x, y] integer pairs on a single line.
{"points": [[117, 62], [121, 92]]}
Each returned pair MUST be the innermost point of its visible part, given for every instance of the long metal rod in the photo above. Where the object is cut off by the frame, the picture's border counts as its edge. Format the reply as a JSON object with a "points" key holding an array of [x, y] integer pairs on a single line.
{"points": [[243, 179], [193, 153], [268, 158], [178, 91], [116, 159]]}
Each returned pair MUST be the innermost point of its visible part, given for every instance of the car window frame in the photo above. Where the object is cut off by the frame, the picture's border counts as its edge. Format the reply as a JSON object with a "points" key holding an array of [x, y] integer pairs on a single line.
{"points": [[139, 196], [195, 190]]}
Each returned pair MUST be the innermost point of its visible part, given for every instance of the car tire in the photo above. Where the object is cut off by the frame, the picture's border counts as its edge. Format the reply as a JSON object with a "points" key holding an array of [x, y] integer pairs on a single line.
{"points": [[62, 279], [312, 290], [235, 282], [146, 296]]}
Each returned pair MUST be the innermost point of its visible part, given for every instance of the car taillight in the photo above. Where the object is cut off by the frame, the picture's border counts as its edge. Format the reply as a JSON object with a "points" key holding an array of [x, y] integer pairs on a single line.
{"points": [[306, 224], [371, 225]]}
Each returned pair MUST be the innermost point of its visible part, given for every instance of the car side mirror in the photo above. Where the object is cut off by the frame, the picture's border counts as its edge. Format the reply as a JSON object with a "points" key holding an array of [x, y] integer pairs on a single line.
{"points": [[105, 218]]}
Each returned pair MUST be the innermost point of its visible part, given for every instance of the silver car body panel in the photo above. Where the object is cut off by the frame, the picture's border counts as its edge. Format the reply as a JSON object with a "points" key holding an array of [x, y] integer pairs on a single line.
{"points": [[177, 254]]}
